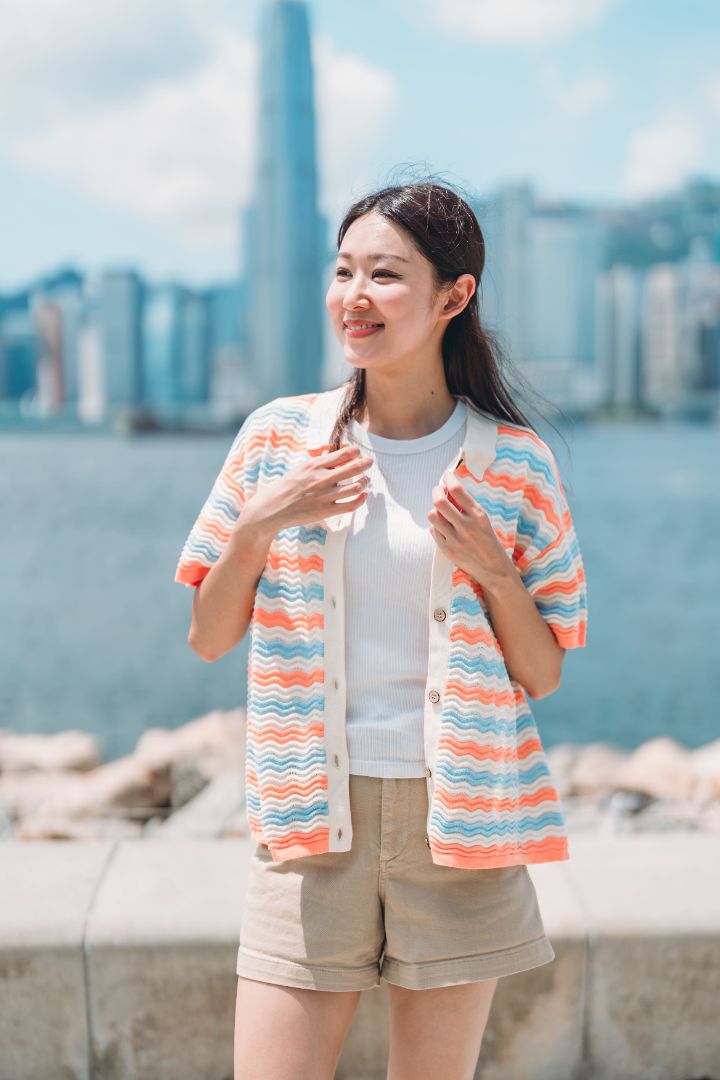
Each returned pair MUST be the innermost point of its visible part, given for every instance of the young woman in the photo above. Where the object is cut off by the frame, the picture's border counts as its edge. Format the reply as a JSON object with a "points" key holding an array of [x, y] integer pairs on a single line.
{"points": [[403, 550]]}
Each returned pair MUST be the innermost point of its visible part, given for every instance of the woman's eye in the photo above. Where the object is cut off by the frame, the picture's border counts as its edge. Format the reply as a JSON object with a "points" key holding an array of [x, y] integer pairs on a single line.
{"points": [[385, 273]]}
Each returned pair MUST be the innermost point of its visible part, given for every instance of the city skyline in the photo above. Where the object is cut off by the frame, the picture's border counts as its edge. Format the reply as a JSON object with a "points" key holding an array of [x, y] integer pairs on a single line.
{"points": [[132, 142], [602, 306]]}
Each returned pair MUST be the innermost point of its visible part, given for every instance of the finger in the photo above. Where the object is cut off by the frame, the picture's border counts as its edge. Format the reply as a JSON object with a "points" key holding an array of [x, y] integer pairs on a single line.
{"points": [[329, 458], [440, 523], [456, 492], [350, 469]]}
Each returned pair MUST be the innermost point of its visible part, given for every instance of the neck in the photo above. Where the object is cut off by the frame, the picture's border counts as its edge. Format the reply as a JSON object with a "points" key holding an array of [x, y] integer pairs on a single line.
{"points": [[404, 411]]}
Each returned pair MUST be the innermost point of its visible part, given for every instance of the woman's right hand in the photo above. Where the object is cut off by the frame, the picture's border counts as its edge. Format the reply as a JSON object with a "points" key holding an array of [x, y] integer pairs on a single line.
{"points": [[309, 492]]}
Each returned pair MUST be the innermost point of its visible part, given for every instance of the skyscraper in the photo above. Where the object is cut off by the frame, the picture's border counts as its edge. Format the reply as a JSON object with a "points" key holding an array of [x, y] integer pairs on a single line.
{"points": [[284, 232]]}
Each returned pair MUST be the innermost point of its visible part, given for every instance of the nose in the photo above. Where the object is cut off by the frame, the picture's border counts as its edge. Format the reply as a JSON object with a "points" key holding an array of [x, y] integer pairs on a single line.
{"points": [[353, 295]]}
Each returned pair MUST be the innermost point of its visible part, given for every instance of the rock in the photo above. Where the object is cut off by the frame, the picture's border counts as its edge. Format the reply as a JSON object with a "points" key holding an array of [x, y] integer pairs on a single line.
{"points": [[206, 815], [125, 784], [705, 767], [218, 732], [22, 792], [561, 759], [596, 768], [629, 802], [56, 828], [64, 750], [660, 767], [188, 777], [7, 829]]}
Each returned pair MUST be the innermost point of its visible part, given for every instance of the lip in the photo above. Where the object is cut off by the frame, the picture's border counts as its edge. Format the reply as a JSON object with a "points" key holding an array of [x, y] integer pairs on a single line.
{"points": [[366, 332]]}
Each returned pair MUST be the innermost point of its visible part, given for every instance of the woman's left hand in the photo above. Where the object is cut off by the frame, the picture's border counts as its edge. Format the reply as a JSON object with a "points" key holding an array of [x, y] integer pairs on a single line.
{"points": [[462, 531]]}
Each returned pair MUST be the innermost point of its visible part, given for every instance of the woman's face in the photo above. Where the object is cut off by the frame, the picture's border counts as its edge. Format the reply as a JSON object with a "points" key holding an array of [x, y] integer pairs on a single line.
{"points": [[395, 290]]}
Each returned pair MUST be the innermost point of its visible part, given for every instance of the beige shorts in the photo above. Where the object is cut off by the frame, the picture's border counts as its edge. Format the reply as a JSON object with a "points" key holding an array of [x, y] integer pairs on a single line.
{"points": [[344, 920]]}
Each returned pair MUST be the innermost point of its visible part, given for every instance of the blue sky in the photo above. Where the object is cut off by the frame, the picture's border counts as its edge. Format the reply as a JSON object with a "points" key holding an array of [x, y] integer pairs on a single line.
{"points": [[127, 128]]}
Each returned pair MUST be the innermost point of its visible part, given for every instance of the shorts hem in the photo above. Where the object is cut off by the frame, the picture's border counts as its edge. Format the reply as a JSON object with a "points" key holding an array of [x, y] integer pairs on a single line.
{"points": [[253, 965], [465, 969]]}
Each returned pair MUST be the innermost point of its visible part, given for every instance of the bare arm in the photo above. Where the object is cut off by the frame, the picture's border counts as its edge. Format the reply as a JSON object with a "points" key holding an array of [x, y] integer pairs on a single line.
{"points": [[223, 601], [531, 651]]}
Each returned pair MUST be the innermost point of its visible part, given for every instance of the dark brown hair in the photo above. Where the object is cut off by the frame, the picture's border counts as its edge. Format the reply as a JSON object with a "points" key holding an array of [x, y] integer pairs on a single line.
{"points": [[444, 228]]}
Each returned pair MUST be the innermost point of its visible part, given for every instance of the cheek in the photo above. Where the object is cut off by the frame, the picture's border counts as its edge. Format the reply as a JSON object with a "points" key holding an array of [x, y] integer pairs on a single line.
{"points": [[403, 307], [332, 298]]}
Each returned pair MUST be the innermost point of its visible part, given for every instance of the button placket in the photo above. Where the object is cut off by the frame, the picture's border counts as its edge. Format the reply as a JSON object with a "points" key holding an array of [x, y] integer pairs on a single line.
{"points": [[438, 653], [338, 790]]}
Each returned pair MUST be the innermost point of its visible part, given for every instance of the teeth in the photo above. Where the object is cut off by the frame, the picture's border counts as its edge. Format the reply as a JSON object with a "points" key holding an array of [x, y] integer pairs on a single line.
{"points": [[361, 326]]}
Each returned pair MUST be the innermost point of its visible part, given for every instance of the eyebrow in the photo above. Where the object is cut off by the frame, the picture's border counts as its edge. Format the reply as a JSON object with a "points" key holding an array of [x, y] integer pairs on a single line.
{"points": [[374, 258]]}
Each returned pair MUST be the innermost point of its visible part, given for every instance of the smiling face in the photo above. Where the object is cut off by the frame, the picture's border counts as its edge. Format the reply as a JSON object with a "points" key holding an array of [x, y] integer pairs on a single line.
{"points": [[394, 290]]}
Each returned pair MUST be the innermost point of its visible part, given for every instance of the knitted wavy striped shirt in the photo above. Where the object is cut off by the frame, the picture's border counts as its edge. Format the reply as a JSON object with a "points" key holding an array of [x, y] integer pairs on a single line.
{"points": [[491, 797]]}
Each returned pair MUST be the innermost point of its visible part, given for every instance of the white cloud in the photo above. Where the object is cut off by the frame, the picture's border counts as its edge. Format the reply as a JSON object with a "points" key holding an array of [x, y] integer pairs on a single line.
{"points": [[516, 21], [178, 154], [179, 150], [574, 97], [57, 55], [355, 104], [662, 154]]}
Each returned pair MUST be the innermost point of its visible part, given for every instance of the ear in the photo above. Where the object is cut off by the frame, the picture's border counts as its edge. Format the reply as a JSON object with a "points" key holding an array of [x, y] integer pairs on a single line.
{"points": [[459, 296]]}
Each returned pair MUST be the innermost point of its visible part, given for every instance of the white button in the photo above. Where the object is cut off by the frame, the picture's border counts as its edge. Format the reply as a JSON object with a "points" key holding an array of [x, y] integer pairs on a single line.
{"points": [[336, 684], [427, 839], [428, 770], [439, 614], [336, 759], [334, 601], [339, 833], [434, 695]]}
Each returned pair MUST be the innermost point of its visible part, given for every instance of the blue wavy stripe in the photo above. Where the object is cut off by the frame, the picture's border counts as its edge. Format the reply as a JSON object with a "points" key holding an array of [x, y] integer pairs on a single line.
{"points": [[294, 413], [478, 665], [524, 454], [222, 501], [499, 827], [296, 815], [481, 724], [557, 609], [559, 564], [478, 778], [468, 605], [198, 550], [535, 534], [274, 706], [468, 725], [289, 651], [266, 763], [274, 590], [307, 534]]}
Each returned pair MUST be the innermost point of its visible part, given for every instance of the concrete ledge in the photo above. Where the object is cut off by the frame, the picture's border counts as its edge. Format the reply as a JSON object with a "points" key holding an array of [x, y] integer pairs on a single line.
{"points": [[117, 961]]}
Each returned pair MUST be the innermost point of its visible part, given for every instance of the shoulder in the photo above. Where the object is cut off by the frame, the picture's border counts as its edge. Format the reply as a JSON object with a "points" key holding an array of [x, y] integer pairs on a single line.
{"points": [[284, 410], [520, 447]]}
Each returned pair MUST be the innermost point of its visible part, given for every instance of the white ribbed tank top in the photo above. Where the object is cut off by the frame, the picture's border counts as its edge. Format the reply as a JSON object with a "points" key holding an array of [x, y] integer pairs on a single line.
{"points": [[388, 559]]}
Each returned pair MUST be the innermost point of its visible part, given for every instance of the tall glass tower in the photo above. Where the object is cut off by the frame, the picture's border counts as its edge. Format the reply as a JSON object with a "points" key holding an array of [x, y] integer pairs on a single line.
{"points": [[284, 232]]}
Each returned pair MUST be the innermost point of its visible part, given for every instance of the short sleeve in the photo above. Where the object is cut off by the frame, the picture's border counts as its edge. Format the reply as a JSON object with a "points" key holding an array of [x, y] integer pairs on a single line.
{"points": [[213, 525], [547, 552]]}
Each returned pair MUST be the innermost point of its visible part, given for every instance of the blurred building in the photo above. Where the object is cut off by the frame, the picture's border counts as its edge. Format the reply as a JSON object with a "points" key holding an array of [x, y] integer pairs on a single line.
{"points": [[175, 346], [18, 353], [700, 276], [661, 325], [503, 293], [538, 290], [618, 335], [118, 303], [284, 233]]}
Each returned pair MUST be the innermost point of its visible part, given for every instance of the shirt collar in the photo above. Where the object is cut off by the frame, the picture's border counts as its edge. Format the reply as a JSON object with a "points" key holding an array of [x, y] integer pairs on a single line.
{"points": [[477, 451]]}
